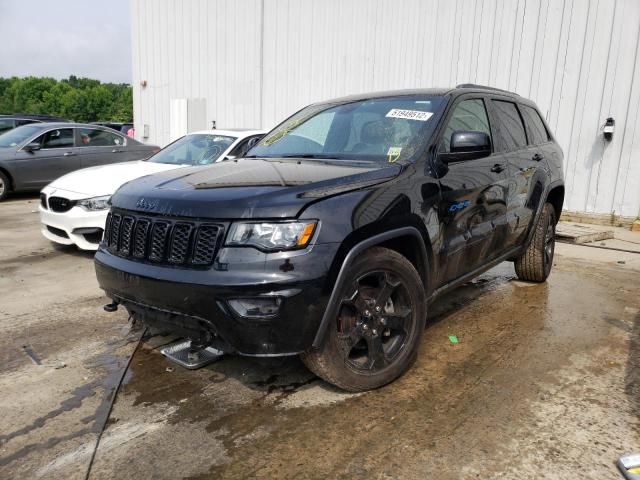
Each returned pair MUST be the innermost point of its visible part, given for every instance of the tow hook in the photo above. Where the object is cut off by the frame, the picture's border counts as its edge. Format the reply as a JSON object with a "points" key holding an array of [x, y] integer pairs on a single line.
{"points": [[191, 354], [110, 307]]}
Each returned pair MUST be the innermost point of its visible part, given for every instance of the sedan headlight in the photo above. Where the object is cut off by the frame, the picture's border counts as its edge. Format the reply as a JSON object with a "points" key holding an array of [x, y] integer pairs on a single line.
{"points": [[95, 203], [272, 236]]}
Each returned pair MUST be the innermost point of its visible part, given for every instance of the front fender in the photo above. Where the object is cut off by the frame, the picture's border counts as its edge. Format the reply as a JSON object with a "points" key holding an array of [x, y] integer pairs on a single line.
{"points": [[332, 307]]}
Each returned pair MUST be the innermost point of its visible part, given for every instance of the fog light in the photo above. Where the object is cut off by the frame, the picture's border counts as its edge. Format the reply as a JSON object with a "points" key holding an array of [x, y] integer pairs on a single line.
{"points": [[258, 307]]}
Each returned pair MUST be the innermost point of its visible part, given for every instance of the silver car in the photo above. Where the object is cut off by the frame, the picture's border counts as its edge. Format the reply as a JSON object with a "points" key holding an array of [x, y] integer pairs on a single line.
{"points": [[32, 156]]}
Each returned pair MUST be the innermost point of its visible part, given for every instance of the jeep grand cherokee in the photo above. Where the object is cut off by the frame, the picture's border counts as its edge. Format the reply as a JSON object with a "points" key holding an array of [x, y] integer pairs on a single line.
{"points": [[332, 237]]}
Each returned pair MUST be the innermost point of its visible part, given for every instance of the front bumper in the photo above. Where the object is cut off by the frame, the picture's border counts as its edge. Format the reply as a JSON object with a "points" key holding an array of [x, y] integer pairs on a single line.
{"points": [[194, 303], [74, 227]]}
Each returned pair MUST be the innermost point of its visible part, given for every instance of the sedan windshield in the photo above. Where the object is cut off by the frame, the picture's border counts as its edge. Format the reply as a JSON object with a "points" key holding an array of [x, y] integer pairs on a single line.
{"points": [[382, 130], [15, 137], [195, 149]]}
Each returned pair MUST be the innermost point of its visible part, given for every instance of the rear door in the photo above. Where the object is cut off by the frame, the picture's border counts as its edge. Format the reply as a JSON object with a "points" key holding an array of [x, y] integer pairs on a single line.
{"points": [[473, 207], [56, 157], [100, 147], [533, 168], [512, 142]]}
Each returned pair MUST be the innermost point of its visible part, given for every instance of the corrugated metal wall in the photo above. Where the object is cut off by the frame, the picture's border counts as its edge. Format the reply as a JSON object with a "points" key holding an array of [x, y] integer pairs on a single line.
{"points": [[257, 61]]}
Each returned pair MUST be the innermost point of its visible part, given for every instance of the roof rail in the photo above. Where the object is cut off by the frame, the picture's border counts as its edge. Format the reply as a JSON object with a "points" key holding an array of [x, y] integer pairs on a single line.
{"points": [[484, 87]]}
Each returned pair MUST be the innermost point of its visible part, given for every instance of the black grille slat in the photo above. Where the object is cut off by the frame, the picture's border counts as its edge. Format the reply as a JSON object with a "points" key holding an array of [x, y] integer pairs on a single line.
{"points": [[180, 240], [114, 231], [60, 204], [158, 241], [126, 229], [205, 245], [162, 241], [140, 238]]}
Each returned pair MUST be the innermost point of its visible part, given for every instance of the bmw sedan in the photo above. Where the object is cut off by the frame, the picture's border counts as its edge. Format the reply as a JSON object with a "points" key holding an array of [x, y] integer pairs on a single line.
{"points": [[32, 156], [73, 208]]}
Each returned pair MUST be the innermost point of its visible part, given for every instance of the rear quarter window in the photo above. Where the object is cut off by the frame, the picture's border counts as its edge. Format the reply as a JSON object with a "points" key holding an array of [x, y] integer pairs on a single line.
{"points": [[535, 126], [511, 134]]}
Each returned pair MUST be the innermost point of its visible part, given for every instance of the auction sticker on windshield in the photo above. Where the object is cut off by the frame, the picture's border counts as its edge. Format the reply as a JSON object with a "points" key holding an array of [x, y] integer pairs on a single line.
{"points": [[409, 114]]}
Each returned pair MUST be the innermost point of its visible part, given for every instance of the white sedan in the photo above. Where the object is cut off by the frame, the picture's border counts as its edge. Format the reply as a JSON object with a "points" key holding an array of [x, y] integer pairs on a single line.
{"points": [[74, 208]]}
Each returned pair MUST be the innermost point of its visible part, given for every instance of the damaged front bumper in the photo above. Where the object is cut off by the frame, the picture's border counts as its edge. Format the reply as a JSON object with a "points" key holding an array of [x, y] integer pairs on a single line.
{"points": [[210, 306]]}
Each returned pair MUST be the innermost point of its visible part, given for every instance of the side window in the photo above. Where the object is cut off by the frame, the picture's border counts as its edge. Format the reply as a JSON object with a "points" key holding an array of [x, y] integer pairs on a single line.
{"points": [[90, 137], [470, 115], [6, 125], [535, 127], [244, 146], [25, 122], [59, 138], [511, 135]]}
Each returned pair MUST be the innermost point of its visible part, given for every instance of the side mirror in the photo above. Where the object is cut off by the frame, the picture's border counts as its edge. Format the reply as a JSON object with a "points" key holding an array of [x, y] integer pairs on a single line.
{"points": [[467, 145], [31, 147], [229, 157]]}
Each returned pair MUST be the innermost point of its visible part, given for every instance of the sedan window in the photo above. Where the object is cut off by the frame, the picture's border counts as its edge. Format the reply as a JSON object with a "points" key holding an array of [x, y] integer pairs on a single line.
{"points": [[58, 138], [91, 137], [6, 125], [15, 137], [195, 149]]}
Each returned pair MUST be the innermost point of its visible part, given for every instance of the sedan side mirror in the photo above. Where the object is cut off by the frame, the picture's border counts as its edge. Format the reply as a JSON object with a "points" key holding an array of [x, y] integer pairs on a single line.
{"points": [[467, 145], [31, 147]]}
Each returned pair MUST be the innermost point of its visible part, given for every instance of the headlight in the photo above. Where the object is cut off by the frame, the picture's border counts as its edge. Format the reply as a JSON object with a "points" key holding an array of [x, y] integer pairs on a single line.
{"points": [[95, 203], [272, 236]]}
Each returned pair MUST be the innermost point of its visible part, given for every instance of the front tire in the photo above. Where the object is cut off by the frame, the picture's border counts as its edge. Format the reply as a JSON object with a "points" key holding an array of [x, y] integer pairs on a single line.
{"points": [[534, 265], [4, 186], [381, 316]]}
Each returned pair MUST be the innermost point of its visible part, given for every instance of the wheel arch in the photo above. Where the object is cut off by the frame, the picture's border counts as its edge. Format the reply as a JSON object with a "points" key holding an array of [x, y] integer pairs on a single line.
{"points": [[9, 177], [407, 241], [556, 198]]}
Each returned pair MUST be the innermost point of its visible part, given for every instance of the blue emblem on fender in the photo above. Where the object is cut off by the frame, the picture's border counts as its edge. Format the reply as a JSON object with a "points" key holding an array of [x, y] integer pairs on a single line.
{"points": [[459, 206]]}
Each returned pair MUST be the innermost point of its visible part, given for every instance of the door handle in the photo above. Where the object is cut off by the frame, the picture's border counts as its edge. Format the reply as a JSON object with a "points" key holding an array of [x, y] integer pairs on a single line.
{"points": [[115, 150], [537, 157], [69, 154], [497, 168]]}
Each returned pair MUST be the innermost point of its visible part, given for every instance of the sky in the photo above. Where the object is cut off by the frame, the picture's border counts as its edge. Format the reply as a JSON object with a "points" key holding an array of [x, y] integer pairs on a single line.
{"points": [[58, 38]]}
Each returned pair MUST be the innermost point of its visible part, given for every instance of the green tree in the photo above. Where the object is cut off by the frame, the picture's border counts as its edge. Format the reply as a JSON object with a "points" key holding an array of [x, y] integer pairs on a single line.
{"points": [[79, 99]]}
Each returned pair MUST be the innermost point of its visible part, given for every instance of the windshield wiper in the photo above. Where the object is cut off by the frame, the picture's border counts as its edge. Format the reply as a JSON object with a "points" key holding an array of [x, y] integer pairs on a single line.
{"points": [[308, 155]]}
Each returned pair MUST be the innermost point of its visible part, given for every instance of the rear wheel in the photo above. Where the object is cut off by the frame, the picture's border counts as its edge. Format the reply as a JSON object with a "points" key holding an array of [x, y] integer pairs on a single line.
{"points": [[381, 316], [534, 265], [4, 186]]}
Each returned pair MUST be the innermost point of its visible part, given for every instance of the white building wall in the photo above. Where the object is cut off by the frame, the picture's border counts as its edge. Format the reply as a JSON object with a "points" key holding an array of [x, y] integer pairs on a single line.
{"points": [[257, 61]]}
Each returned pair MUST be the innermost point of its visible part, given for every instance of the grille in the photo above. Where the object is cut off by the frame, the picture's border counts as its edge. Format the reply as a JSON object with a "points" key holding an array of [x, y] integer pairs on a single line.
{"points": [[43, 201], [160, 240], [60, 204]]}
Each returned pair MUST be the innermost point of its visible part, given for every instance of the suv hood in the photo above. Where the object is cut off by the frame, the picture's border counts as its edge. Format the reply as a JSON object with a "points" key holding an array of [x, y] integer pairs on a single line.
{"points": [[248, 188], [106, 179]]}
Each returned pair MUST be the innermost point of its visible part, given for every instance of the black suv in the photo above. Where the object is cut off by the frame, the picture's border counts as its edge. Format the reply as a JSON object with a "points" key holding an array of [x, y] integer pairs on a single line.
{"points": [[331, 238]]}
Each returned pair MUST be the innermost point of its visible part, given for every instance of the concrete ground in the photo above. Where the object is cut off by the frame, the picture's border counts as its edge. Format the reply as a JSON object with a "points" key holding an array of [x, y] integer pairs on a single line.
{"points": [[543, 384]]}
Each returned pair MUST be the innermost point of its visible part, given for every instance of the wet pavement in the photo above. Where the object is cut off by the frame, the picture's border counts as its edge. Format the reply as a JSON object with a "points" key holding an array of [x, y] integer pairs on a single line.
{"points": [[543, 384]]}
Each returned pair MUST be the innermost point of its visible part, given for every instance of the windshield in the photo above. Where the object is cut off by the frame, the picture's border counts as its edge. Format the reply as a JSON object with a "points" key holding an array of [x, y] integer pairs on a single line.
{"points": [[197, 149], [18, 135], [381, 129]]}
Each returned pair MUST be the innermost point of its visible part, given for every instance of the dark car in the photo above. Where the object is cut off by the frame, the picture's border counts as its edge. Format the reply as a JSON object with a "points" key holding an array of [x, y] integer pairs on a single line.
{"points": [[344, 223], [31, 156], [9, 122]]}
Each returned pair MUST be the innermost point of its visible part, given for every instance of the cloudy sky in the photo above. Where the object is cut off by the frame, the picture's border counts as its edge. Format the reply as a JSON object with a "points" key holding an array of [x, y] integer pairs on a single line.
{"points": [[86, 38]]}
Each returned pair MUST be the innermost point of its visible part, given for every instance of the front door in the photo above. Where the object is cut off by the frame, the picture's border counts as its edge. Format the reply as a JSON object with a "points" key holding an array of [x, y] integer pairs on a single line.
{"points": [[474, 192], [57, 156]]}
